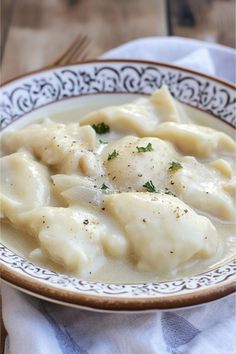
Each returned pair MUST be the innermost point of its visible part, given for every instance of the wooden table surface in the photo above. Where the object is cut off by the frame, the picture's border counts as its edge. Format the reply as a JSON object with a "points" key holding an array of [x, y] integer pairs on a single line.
{"points": [[35, 32]]}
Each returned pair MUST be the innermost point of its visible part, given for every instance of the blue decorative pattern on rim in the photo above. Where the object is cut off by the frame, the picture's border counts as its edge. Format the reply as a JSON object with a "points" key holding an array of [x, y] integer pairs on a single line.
{"points": [[34, 91]]}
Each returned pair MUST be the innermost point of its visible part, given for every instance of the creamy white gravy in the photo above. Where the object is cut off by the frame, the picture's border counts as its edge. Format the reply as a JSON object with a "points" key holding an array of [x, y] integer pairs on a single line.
{"points": [[120, 271]]}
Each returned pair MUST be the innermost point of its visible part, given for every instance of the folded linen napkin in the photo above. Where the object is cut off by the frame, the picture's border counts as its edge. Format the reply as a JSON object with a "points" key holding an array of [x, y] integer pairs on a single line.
{"points": [[38, 327], [209, 58]]}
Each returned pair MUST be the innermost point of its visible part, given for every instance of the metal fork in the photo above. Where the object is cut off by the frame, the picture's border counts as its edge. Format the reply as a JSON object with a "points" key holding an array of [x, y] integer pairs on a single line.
{"points": [[77, 51]]}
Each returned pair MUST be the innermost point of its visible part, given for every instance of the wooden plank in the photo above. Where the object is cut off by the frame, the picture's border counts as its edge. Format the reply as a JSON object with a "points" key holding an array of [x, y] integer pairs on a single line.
{"points": [[2, 331], [41, 30], [213, 20], [6, 9]]}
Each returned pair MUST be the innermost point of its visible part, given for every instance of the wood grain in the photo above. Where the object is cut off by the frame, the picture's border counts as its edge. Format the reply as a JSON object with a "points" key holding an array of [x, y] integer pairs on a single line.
{"points": [[3, 332], [6, 9], [41, 30], [213, 20]]}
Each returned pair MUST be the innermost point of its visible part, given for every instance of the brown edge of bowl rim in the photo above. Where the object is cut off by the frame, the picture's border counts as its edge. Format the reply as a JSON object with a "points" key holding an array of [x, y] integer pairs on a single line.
{"points": [[114, 303], [130, 61]]}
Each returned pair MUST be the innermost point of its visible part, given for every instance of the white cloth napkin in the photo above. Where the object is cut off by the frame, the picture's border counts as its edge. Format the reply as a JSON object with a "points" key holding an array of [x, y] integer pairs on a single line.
{"points": [[209, 58], [39, 327]]}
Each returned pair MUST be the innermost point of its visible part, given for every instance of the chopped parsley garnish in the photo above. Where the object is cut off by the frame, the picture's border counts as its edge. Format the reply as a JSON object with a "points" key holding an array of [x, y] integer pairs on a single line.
{"points": [[150, 187], [167, 191], [104, 186], [101, 128], [175, 166], [112, 155], [145, 149], [102, 142]]}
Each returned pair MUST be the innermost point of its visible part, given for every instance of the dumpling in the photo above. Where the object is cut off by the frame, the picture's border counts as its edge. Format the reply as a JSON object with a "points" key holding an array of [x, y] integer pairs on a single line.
{"points": [[24, 184], [65, 147], [166, 107], [196, 140], [142, 116], [69, 237], [162, 230], [131, 169], [230, 187], [223, 167], [202, 187], [77, 190], [63, 182]]}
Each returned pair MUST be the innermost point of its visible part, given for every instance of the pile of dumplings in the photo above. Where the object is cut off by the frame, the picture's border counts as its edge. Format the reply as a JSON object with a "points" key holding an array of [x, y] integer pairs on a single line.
{"points": [[137, 183]]}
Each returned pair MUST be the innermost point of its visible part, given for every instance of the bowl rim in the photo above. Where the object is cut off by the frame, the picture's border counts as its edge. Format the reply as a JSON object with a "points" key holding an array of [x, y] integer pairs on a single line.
{"points": [[115, 303], [120, 60]]}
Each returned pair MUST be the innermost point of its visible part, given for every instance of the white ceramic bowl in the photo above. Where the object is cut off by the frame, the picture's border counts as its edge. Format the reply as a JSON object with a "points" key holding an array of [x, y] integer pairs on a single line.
{"points": [[21, 101]]}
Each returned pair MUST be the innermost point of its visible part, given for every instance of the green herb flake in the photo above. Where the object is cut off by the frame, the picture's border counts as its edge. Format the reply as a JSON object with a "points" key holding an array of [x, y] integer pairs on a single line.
{"points": [[102, 142], [150, 187], [175, 166], [145, 149], [112, 155], [101, 128], [104, 187]]}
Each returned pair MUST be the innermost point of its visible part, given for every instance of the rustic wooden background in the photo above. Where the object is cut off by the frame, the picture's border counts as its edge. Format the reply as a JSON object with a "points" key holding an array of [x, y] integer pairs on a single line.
{"points": [[34, 32]]}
